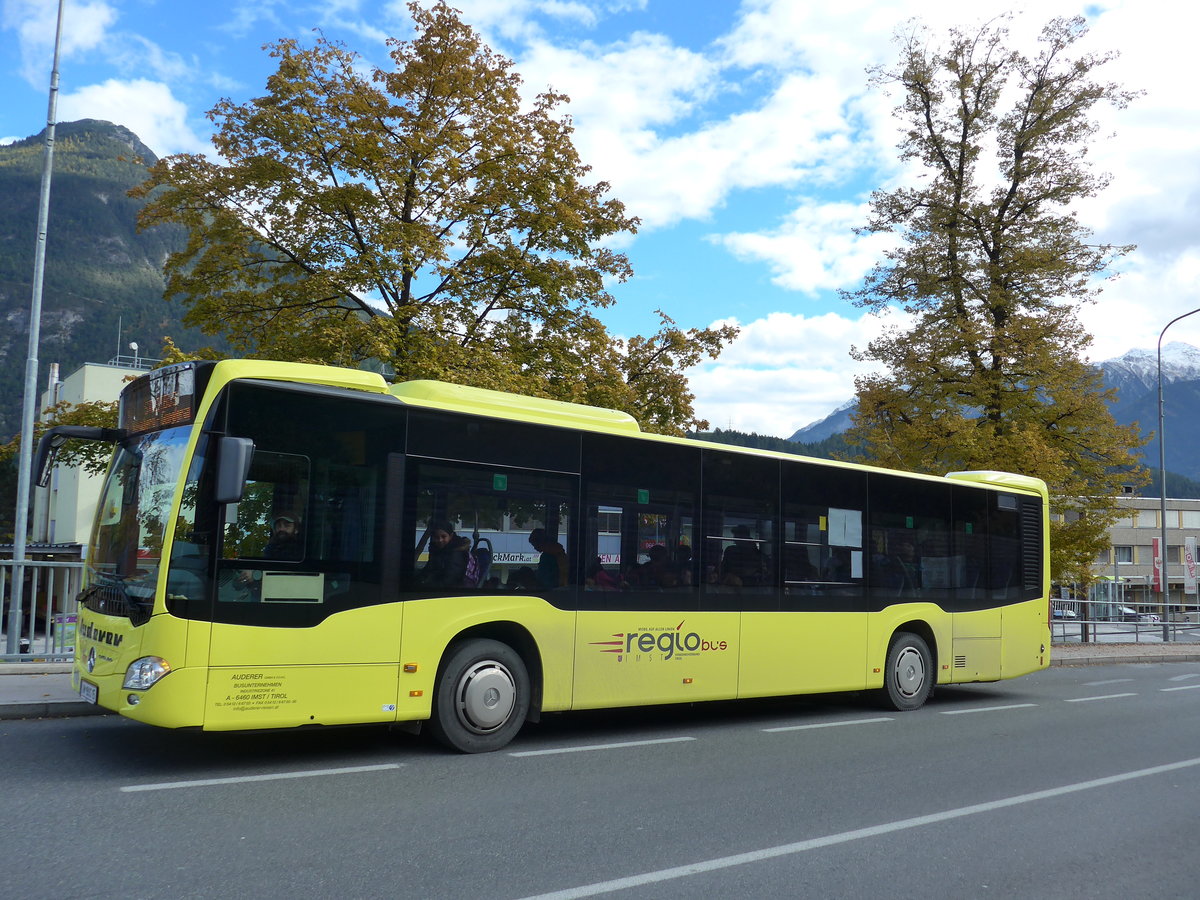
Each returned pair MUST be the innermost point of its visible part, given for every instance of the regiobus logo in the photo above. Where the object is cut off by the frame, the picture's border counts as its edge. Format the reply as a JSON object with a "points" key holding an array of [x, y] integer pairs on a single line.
{"points": [[670, 642]]}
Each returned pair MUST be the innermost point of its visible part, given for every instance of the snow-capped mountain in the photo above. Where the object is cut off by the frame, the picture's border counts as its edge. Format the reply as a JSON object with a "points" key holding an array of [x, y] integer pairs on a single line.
{"points": [[1134, 375], [1138, 369], [834, 423]]}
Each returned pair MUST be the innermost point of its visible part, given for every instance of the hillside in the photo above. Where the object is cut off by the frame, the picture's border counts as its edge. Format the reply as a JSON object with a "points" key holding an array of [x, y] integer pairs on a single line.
{"points": [[103, 280], [1134, 376]]}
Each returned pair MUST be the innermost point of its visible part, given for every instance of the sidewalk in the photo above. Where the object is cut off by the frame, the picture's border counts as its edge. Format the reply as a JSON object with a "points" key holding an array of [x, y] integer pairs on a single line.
{"points": [[43, 690], [1099, 654], [40, 690]]}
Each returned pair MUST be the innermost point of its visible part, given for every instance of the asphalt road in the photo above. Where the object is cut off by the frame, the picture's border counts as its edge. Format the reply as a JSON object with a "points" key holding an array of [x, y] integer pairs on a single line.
{"points": [[1075, 782]]}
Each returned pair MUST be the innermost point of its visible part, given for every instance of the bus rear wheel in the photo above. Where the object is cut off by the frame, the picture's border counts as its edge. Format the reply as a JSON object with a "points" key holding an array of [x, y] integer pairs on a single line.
{"points": [[481, 697], [908, 677]]}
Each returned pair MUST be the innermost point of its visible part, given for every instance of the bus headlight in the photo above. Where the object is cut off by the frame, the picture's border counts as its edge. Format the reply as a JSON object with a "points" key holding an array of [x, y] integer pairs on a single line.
{"points": [[144, 673]]}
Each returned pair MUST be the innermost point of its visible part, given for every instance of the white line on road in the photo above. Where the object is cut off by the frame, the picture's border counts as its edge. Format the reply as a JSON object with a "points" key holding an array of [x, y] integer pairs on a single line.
{"points": [[617, 746], [959, 712], [1109, 681], [1184, 677], [1105, 697], [277, 776], [1182, 687], [740, 859], [828, 724]]}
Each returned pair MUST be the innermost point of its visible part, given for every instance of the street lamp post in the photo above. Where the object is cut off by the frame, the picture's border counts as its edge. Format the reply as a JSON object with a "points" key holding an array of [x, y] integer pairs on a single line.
{"points": [[25, 453], [1164, 584]]}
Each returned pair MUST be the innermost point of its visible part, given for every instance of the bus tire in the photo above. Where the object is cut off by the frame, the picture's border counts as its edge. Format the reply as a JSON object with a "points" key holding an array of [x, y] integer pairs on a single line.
{"points": [[481, 697], [908, 676]]}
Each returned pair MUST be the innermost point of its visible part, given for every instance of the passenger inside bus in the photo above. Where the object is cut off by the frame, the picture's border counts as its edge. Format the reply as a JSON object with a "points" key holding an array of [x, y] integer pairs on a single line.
{"points": [[598, 578], [900, 570], [743, 562], [448, 556], [553, 570], [656, 573]]}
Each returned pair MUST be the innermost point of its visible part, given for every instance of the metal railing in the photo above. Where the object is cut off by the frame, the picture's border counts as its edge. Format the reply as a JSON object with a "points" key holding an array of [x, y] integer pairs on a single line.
{"points": [[48, 609], [1106, 622]]}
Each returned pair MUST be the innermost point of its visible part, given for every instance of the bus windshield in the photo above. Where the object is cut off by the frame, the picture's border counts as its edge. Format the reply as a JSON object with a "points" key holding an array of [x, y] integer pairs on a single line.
{"points": [[132, 515]]}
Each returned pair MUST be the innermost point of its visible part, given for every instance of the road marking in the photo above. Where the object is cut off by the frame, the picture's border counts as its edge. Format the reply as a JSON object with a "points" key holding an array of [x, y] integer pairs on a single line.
{"points": [[1184, 677], [828, 724], [959, 712], [1182, 687], [617, 746], [242, 779], [1105, 697], [1110, 681], [741, 859]]}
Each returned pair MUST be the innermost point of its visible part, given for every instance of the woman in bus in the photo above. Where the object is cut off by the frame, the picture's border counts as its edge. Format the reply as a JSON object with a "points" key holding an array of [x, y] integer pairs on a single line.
{"points": [[448, 554]]}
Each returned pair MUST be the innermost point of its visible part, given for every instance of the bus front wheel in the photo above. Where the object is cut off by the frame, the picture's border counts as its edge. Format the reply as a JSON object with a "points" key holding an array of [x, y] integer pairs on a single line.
{"points": [[909, 675], [481, 697]]}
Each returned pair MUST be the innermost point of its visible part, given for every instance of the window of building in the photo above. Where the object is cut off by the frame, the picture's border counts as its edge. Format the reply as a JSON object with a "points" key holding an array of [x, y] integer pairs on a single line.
{"points": [[1190, 518], [1123, 554]]}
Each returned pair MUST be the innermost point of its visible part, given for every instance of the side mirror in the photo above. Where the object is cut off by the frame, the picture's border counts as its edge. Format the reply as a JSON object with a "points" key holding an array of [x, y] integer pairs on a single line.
{"points": [[233, 466], [53, 439]]}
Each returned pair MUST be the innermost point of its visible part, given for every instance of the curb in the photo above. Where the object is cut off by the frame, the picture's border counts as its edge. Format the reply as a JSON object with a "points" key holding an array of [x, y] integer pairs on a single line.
{"points": [[50, 709], [35, 668], [1121, 660]]}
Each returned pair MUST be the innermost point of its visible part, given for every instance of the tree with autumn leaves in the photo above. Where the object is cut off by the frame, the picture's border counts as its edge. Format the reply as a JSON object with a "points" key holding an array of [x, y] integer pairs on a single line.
{"points": [[993, 266], [422, 215]]}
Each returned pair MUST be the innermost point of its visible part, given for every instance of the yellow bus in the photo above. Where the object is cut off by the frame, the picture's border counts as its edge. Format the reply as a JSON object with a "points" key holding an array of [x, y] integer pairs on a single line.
{"points": [[280, 545]]}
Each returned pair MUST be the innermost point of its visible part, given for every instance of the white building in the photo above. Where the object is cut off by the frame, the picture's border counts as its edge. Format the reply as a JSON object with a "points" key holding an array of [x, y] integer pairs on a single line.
{"points": [[1129, 561], [63, 513]]}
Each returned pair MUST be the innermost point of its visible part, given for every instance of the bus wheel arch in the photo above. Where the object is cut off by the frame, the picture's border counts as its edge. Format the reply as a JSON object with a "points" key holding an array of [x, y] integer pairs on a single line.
{"points": [[485, 689], [910, 669]]}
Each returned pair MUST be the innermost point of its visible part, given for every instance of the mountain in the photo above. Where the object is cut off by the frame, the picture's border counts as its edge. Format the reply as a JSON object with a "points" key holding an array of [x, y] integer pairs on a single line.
{"points": [[1136, 372], [834, 423], [103, 284], [1134, 376]]}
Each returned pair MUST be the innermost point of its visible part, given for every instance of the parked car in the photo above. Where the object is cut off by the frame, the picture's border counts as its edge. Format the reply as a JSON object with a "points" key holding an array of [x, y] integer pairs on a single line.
{"points": [[1127, 614], [1061, 612]]}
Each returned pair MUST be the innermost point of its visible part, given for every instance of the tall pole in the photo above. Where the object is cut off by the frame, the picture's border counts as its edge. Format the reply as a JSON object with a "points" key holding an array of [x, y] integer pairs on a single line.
{"points": [[20, 523], [1164, 584]]}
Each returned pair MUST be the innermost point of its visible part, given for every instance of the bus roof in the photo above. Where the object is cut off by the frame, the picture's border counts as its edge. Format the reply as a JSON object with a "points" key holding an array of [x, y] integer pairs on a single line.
{"points": [[539, 410], [499, 404]]}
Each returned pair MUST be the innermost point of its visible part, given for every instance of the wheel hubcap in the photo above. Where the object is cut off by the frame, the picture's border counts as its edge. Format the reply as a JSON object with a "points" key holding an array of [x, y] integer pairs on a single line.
{"points": [[910, 672], [486, 696]]}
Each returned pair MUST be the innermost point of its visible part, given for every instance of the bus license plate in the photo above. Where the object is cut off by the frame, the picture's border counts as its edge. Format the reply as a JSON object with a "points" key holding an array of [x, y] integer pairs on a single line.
{"points": [[89, 692]]}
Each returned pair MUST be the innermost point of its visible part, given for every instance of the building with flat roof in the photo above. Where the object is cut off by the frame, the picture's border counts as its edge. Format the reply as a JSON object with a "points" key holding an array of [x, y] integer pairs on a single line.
{"points": [[1129, 561], [63, 512]]}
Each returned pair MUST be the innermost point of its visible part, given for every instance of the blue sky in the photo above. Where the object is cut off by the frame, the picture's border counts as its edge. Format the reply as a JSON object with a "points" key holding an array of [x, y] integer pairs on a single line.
{"points": [[744, 135]]}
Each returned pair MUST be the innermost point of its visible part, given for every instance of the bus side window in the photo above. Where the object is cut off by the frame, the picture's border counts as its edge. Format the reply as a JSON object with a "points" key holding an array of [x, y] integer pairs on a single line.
{"points": [[741, 532], [823, 537], [912, 546], [640, 547], [471, 528], [269, 521]]}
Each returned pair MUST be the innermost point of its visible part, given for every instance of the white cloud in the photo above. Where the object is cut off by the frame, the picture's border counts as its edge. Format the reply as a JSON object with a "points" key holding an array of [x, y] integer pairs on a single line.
{"points": [[134, 53], [85, 27], [517, 19], [784, 372], [247, 14], [814, 249], [148, 108], [1134, 309]]}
